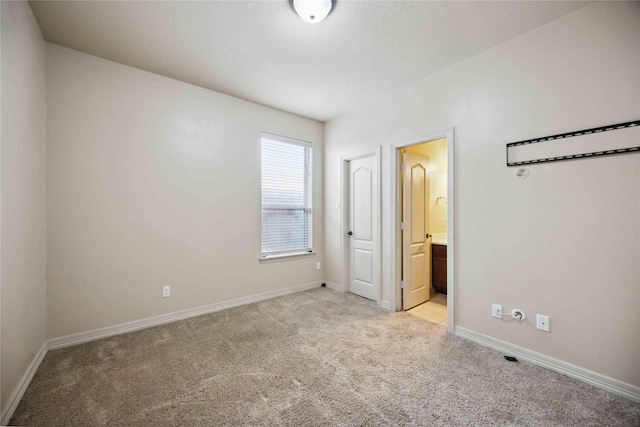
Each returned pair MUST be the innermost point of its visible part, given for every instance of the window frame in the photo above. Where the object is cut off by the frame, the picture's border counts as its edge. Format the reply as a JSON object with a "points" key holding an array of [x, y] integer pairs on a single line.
{"points": [[306, 207]]}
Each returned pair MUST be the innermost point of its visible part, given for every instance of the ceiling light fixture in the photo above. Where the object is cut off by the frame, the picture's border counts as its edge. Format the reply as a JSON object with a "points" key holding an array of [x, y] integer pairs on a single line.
{"points": [[312, 11]]}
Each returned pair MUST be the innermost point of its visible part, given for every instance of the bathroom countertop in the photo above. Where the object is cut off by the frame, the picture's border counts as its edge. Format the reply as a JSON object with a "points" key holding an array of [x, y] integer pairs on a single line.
{"points": [[439, 239]]}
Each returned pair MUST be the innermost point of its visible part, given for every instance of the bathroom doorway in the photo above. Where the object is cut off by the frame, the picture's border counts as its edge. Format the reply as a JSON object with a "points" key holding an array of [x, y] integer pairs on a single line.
{"points": [[423, 230]]}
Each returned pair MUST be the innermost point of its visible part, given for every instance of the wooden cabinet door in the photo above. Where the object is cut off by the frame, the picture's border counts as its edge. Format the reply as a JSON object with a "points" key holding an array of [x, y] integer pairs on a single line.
{"points": [[439, 268]]}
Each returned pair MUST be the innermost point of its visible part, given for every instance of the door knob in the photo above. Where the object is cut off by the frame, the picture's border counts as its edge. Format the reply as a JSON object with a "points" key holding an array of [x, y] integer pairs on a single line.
{"points": [[428, 235], [350, 233]]}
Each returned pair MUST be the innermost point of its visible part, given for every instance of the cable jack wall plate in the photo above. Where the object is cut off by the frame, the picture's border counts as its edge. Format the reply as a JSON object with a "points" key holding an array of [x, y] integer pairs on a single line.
{"points": [[542, 322], [518, 314]]}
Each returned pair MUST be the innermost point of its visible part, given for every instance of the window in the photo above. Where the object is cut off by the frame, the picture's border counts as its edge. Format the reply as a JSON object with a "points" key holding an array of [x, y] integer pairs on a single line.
{"points": [[286, 196]]}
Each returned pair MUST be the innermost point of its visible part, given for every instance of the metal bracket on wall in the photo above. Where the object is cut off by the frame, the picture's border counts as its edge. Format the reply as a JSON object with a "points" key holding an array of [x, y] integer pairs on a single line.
{"points": [[592, 143]]}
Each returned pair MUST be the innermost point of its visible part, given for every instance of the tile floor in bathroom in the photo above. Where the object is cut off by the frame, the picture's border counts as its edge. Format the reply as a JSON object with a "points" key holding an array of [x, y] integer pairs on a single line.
{"points": [[434, 310]]}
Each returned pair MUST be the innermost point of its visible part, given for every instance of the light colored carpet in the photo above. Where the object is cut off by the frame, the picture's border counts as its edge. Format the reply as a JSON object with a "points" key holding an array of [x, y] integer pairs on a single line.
{"points": [[313, 358]]}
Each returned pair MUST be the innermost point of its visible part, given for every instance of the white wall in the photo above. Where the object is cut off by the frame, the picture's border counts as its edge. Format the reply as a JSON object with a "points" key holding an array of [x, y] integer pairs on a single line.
{"points": [[564, 242], [22, 196], [155, 182]]}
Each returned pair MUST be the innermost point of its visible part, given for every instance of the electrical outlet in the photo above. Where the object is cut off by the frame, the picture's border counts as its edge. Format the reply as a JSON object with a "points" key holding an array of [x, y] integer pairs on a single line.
{"points": [[496, 311], [317, 266], [166, 291], [542, 322]]}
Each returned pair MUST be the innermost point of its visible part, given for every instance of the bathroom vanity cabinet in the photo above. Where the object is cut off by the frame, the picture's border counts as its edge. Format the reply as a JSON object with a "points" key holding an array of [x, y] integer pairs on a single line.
{"points": [[439, 268]]}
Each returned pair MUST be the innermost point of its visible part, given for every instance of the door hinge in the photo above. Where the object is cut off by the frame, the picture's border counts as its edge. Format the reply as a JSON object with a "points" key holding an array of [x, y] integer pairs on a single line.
{"points": [[402, 284], [403, 167], [402, 226]]}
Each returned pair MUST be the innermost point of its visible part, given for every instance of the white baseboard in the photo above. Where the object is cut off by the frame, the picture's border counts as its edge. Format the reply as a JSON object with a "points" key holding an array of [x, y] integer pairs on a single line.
{"points": [[15, 398], [604, 382], [334, 286], [385, 304], [136, 325]]}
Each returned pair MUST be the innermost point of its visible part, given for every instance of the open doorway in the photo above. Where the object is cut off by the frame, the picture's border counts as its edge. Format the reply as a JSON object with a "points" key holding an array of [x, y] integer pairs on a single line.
{"points": [[424, 258]]}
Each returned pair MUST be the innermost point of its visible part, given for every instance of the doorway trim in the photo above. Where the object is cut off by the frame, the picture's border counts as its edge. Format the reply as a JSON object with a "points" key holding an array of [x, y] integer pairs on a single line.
{"points": [[396, 218], [344, 217]]}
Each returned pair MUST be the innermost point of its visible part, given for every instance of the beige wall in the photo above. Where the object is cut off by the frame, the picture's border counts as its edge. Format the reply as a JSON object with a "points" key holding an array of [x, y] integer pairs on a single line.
{"points": [[22, 196], [564, 242], [155, 182], [437, 153]]}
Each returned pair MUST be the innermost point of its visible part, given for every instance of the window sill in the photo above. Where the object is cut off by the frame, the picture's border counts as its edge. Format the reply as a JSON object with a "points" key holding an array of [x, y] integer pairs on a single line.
{"points": [[286, 257]]}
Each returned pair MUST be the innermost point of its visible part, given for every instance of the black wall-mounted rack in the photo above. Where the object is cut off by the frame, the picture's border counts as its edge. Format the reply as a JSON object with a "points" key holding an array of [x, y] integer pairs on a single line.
{"points": [[585, 132]]}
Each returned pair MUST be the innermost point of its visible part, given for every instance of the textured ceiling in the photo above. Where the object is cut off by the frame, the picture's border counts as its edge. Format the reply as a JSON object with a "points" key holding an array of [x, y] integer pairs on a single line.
{"points": [[262, 52]]}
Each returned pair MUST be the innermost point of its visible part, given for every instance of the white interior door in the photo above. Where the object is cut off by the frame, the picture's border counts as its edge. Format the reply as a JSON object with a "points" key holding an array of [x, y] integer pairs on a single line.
{"points": [[416, 260], [363, 229]]}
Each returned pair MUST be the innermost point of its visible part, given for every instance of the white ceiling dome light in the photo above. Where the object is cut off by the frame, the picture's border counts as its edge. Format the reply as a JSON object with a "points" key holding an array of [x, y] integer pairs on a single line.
{"points": [[312, 11]]}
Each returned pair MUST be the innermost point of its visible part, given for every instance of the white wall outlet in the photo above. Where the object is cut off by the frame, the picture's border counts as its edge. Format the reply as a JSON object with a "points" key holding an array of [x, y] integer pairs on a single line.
{"points": [[166, 291], [317, 266], [496, 311], [542, 322]]}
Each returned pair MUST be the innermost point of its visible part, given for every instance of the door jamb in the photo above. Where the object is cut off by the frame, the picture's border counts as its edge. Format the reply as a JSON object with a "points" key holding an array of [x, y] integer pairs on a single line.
{"points": [[396, 240], [344, 217]]}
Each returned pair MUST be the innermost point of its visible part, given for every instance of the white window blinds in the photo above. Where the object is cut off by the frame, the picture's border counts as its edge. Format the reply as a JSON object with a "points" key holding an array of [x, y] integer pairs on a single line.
{"points": [[286, 195]]}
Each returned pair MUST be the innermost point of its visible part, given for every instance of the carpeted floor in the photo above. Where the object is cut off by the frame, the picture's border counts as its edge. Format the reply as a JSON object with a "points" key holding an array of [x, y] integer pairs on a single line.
{"points": [[313, 358]]}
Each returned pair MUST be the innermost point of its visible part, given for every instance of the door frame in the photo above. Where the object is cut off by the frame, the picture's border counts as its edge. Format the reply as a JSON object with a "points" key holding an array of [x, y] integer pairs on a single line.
{"points": [[344, 217], [396, 218]]}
